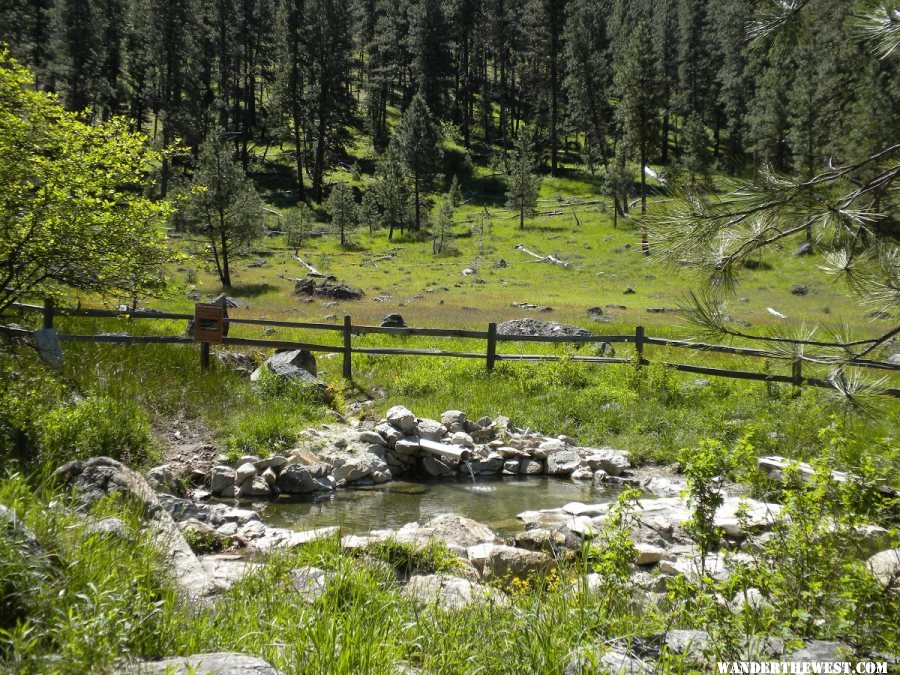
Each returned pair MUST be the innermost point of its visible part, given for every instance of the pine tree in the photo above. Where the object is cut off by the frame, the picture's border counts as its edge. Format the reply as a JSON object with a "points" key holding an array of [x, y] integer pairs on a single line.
{"points": [[695, 157], [443, 229], [223, 206], [417, 139], [290, 76], [429, 38], [522, 182], [636, 81], [393, 192], [328, 104], [343, 210], [454, 194], [297, 226]]}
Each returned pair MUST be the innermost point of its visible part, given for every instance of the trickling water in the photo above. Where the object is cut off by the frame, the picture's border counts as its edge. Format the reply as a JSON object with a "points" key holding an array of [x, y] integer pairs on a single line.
{"points": [[466, 463], [494, 501]]}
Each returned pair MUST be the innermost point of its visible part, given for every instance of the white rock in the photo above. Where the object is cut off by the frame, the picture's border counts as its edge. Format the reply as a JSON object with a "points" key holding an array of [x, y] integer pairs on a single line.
{"points": [[402, 419], [563, 462], [582, 473], [611, 461], [531, 467], [448, 592], [244, 471], [885, 566]]}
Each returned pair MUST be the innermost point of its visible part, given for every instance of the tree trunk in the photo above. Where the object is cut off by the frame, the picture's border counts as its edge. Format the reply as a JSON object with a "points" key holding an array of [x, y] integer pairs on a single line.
{"points": [[416, 182], [226, 272]]}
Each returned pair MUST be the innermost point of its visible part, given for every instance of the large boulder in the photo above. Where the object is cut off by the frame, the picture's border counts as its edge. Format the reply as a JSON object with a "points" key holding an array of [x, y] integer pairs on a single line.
{"points": [[98, 477], [448, 593], [608, 460], [302, 479], [401, 419], [465, 532], [218, 663], [504, 563], [359, 466], [563, 462], [542, 328], [885, 566], [297, 364]]}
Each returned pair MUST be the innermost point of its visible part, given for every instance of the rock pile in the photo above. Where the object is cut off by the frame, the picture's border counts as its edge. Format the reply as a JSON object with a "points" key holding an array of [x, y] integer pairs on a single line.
{"points": [[403, 444]]}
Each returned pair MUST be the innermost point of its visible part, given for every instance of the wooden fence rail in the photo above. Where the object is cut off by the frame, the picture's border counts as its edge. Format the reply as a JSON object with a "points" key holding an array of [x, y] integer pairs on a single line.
{"points": [[491, 356]]}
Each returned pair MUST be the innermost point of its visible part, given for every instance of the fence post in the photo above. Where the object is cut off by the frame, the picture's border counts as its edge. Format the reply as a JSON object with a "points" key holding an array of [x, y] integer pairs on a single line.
{"points": [[348, 350], [797, 375], [491, 346], [48, 313], [204, 355], [639, 344]]}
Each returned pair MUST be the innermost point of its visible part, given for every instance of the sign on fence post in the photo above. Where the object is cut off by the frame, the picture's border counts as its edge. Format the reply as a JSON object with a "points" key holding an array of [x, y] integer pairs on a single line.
{"points": [[209, 323]]}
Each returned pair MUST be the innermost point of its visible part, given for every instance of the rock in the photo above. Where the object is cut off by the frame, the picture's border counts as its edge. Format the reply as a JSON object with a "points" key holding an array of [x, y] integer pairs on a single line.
{"points": [[393, 321], [448, 592], [582, 473], [436, 467], [546, 447], [243, 472], [511, 466], [254, 487], [629, 291], [297, 364], [273, 462], [299, 479], [221, 478], [820, 650], [806, 248], [799, 289], [357, 467], [690, 643], [203, 537], [454, 420], [648, 554], [590, 660], [885, 566], [608, 460], [751, 598], [401, 419], [541, 539], [326, 288], [543, 328], [531, 467], [407, 446], [595, 311], [563, 462], [309, 582], [227, 568], [488, 466], [465, 532], [503, 563], [269, 476], [218, 663], [98, 477], [462, 439], [431, 430], [389, 433], [168, 478], [600, 476], [372, 437], [110, 527]]}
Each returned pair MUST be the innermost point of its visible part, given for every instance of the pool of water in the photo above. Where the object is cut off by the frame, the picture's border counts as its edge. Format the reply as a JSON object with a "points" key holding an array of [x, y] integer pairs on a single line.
{"points": [[492, 501]]}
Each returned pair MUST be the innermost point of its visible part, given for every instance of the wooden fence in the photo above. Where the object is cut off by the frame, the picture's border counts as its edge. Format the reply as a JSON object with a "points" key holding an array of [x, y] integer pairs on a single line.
{"points": [[491, 356]]}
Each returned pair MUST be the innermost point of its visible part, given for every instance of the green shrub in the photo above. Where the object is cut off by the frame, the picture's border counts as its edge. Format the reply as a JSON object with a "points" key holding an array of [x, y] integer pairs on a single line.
{"points": [[98, 425]]}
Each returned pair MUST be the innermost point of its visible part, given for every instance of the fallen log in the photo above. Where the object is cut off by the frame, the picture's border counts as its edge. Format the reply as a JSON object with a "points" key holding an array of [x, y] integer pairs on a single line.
{"points": [[542, 258], [312, 270]]}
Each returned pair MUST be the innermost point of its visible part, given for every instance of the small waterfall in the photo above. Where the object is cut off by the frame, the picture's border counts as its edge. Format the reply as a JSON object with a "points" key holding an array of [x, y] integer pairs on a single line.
{"points": [[466, 463]]}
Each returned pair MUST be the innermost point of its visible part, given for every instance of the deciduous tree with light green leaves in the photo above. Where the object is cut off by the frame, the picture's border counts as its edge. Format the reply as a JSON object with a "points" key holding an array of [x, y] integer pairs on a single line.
{"points": [[72, 210]]}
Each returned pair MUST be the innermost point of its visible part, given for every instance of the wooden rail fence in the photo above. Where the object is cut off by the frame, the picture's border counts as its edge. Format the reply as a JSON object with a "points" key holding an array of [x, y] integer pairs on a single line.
{"points": [[491, 356]]}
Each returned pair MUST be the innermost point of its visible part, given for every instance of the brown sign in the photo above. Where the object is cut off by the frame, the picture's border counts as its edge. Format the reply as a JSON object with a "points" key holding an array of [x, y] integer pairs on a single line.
{"points": [[209, 323]]}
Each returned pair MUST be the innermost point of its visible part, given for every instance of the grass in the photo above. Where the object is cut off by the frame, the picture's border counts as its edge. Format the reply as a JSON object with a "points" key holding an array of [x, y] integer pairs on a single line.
{"points": [[76, 601], [81, 601]]}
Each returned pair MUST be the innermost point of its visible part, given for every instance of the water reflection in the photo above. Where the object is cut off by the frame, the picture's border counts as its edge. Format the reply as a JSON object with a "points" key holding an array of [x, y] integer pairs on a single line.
{"points": [[492, 501]]}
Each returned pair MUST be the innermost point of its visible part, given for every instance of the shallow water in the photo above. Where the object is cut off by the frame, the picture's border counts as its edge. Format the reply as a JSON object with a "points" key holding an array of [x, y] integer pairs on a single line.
{"points": [[492, 501]]}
